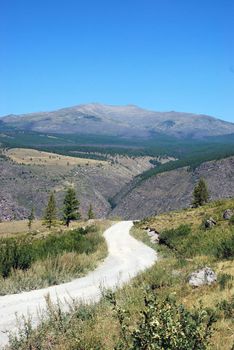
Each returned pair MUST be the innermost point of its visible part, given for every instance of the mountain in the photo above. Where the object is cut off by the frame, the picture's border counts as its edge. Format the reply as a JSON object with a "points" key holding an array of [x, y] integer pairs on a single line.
{"points": [[123, 121]]}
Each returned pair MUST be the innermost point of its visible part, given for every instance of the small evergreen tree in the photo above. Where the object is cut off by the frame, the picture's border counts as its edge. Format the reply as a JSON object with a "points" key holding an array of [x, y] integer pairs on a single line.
{"points": [[71, 207], [50, 216], [91, 214], [200, 193], [31, 218]]}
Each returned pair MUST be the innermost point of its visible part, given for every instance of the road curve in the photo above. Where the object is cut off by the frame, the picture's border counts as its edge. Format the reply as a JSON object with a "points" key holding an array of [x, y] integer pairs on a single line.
{"points": [[126, 257]]}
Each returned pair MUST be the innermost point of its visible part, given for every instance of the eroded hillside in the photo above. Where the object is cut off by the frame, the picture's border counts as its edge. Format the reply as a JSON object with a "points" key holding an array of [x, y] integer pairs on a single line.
{"points": [[27, 176], [112, 186], [173, 189]]}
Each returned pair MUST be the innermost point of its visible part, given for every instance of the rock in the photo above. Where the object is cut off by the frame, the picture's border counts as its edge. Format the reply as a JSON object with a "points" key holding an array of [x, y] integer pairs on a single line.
{"points": [[210, 223], [205, 276], [227, 214], [154, 239], [153, 235]]}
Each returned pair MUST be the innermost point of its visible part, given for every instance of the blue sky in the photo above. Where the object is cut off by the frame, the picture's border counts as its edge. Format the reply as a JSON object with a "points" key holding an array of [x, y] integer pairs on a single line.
{"points": [[158, 54]]}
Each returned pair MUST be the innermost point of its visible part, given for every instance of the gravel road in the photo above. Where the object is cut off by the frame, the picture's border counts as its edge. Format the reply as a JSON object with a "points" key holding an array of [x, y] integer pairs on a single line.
{"points": [[126, 258]]}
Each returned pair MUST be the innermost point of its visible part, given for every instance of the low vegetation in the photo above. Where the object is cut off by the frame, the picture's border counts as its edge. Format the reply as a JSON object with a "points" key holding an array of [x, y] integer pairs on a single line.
{"points": [[30, 261], [158, 309], [34, 157]]}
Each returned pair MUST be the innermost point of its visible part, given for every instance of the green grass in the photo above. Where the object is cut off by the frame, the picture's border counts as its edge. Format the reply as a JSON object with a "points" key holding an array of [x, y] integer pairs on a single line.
{"points": [[29, 262], [188, 243]]}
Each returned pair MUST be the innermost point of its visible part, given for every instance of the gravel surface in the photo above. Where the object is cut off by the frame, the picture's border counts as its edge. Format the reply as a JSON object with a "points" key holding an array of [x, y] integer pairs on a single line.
{"points": [[126, 258]]}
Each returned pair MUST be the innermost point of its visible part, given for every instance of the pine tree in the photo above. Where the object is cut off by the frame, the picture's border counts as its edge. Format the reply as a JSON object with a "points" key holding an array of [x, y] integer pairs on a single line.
{"points": [[71, 207], [31, 218], [200, 193], [50, 216], [91, 214]]}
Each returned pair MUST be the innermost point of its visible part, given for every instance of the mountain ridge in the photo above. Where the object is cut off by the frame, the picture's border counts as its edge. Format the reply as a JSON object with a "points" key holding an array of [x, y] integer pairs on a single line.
{"points": [[123, 121]]}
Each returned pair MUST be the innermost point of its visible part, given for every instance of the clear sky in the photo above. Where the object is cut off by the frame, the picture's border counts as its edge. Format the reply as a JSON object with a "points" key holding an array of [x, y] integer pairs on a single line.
{"points": [[159, 54]]}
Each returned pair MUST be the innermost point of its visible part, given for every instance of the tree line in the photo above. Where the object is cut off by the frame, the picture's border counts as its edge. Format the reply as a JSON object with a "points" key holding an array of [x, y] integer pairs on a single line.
{"points": [[70, 210]]}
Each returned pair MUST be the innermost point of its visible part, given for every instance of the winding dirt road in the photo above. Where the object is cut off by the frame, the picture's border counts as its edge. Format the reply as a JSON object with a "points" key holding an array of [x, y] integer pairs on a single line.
{"points": [[126, 258]]}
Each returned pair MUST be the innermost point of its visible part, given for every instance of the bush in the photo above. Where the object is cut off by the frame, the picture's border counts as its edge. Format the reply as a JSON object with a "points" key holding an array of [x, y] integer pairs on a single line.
{"points": [[225, 281], [231, 221], [14, 253], [225, 250], [20, 253], [227, 307], [170, 237], [165, 325]]}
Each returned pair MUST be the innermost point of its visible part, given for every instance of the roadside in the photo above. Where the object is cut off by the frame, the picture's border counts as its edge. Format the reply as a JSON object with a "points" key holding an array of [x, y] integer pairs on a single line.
{"points": [[126, 258]]}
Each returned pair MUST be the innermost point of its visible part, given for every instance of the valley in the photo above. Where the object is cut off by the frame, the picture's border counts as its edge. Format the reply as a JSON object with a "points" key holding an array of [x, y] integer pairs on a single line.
{"points": [[120, 175], [27, 176], [117, 175], [123, 164]]}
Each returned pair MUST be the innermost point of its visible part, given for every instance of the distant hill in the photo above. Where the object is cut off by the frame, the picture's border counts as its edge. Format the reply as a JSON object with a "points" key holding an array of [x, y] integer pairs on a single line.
{"points": [[122, 121]]}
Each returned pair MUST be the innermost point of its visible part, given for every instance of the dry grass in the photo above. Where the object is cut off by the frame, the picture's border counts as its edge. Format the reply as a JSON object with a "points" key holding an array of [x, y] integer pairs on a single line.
{"points": [[19, 226], [189, 216], [15, 227], [34, 157], [210, 296]]}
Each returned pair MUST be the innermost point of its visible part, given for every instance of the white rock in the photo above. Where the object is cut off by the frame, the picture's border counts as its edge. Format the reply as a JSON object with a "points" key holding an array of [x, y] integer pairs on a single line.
{"points": [[202, 277]]}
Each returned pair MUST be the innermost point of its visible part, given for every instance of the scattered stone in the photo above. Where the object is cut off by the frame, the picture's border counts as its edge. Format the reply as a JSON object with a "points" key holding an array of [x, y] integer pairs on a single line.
{"points": [[154, 235], [210, 223], [227, 214], [205, 276]]}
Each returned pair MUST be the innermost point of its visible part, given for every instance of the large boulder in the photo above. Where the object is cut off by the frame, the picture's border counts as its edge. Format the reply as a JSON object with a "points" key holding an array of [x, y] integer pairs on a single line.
{"points": [[227, 214], [205, 276]]}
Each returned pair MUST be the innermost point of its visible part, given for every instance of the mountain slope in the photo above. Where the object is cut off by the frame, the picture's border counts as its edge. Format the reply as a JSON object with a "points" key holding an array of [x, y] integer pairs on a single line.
{"points": [[172, 190], [27, 177], [124, 121]]}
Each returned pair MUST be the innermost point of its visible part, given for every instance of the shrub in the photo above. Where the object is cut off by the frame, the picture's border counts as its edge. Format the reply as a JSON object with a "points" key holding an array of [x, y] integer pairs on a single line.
{"points": [[231, 221], [14, 254], [225, 249], [170, 237], [165, 325], [20, 253], [227, 307], [225, 281]]}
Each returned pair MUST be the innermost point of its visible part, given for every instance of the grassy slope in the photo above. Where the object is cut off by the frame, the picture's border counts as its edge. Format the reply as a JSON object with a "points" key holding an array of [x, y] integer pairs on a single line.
{"points": [[194, 251], [17, 227], [34, 157], [96, 327]]}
